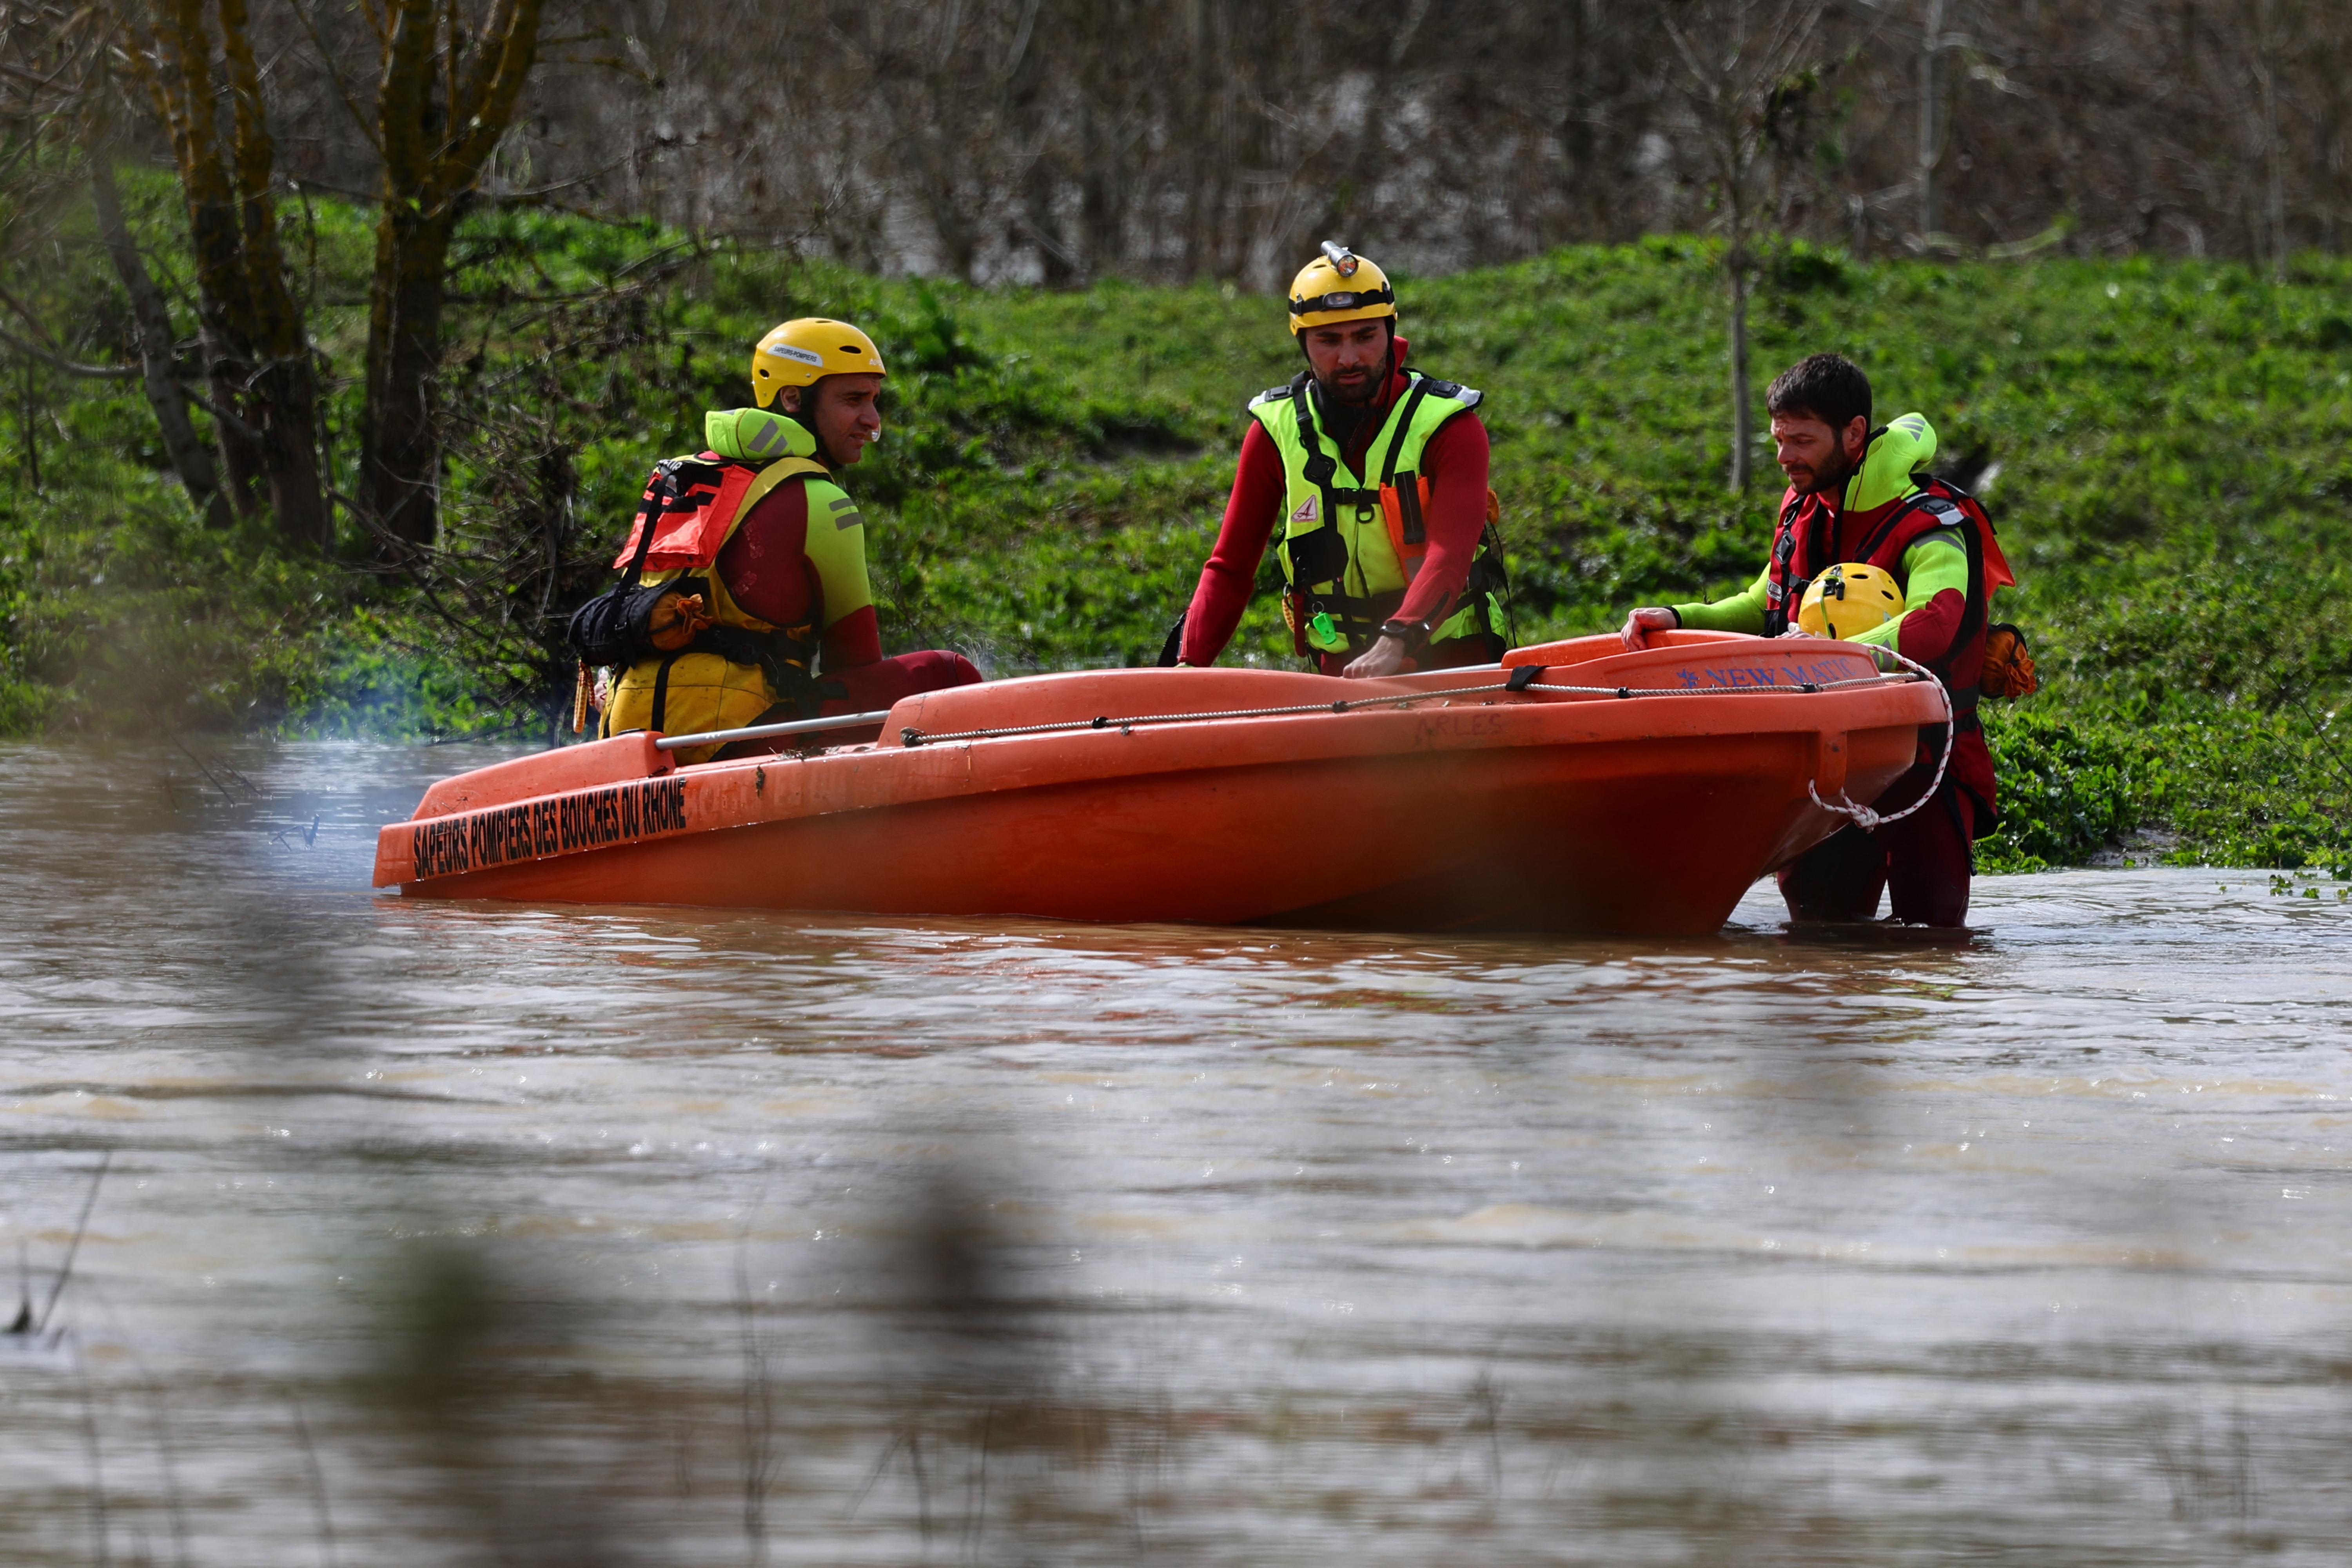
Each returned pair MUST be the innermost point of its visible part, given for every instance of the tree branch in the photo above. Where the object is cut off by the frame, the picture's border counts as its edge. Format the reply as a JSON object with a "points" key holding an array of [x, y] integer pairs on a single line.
{"points": [[342, 90], [496, 87], [71, 367]]}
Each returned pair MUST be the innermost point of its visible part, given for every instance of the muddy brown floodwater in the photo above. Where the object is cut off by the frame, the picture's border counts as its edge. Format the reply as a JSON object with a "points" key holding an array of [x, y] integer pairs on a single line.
{"points": [[446, 1234]]}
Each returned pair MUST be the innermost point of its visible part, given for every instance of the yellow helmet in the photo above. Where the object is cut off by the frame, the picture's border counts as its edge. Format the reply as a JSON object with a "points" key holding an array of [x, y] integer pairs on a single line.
{"points": [[1339, 286], [1848, 600], [798, 352]]}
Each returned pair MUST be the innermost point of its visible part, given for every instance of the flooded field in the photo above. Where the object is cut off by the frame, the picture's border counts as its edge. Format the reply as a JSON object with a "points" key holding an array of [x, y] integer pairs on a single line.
{"points": [[450, 1233]]}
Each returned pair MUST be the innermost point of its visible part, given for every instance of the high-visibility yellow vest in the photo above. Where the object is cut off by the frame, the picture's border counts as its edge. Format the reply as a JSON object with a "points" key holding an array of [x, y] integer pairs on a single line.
{"points": [[1351, 542], [733, 673]]}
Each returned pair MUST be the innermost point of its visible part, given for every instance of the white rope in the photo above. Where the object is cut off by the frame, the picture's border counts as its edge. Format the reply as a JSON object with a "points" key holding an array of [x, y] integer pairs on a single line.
{"points": [[1867, 820]]}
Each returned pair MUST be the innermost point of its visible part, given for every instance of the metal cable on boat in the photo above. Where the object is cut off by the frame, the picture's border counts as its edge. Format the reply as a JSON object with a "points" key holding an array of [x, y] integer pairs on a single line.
{"points": [[760, 732], [1865, 818], [912, 737]]}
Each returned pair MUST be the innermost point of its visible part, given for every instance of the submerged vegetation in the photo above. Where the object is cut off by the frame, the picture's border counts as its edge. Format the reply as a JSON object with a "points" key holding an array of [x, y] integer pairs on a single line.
{"points": [[2161, 444]]}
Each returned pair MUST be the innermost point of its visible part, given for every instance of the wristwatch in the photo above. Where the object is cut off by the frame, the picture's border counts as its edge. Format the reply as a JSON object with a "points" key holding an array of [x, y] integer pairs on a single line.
{"points": [[1413, 634]]}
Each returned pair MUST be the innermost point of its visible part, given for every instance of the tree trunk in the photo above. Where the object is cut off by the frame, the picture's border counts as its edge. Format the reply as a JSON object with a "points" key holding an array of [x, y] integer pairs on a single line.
{"points": [[1100, 214], [257, 347], [151, 320], [288, 406], [237, 442], [443, 101], [1931, 122], [2274, 143], [1743, 420], [401, 453], [28, 428]]}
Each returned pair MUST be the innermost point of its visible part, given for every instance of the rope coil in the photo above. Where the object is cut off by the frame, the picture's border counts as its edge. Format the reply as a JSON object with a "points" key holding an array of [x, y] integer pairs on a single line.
{"points": [[910, 736], [1861, 816]]}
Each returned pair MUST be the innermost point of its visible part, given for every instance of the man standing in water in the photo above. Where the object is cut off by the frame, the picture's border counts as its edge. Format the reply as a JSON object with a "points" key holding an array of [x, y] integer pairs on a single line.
{"points": [[1376, 475], [1859, 494]]}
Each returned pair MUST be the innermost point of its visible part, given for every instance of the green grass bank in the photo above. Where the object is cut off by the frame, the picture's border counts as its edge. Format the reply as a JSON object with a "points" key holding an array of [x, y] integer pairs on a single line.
{"points": [[2163, 447]]}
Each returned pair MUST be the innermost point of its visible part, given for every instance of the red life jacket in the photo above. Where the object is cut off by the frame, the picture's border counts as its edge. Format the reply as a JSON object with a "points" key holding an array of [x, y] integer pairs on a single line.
{"points": [[693, 502], [1806, 544]]}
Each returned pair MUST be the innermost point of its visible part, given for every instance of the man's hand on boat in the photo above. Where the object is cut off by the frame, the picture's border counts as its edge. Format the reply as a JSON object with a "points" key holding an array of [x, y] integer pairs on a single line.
{"points": [[676, 620], [1642, 622], [1385, 657]]}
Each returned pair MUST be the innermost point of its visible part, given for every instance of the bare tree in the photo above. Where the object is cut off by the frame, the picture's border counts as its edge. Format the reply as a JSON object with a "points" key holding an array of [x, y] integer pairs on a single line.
{"points": [[1741, 79], [151, 317], [447, 85], [55, 105], [190, 55], [2267, 38], [1934, 140]]}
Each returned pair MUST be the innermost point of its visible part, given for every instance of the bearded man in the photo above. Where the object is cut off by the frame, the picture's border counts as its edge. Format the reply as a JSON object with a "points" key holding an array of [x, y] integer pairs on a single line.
{"points": [[1862, 494], [1375, 477]]}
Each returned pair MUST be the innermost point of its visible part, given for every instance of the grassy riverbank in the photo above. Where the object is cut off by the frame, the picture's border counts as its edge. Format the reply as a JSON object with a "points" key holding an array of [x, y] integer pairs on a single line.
{"points": [[2163, 447]]}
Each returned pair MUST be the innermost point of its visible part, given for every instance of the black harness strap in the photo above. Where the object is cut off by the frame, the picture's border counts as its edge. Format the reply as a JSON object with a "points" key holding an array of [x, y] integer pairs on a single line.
{"points": [[1972, 620], [1415, 528], [1972, 614], [1403, 423], [1309, 552], [1311, 555], [1779, 612], [1321, 467], [1917, 501], [661, 690], [637, 567]]}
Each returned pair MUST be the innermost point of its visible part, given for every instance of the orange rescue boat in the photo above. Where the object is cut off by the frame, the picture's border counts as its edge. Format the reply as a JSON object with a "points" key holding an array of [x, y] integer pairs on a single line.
{"points": [[1574, 787]]}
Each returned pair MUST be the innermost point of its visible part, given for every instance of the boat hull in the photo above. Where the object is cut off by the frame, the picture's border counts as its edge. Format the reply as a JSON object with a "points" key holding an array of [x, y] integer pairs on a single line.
{"points": [[1489, 811]]}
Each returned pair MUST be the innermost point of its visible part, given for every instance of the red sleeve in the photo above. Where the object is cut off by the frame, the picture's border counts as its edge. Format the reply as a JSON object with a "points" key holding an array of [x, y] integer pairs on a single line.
{"points": [[764, 564], [765, 567], [1455, 462], [853, 642], [1927, 629], [1251, 513]]}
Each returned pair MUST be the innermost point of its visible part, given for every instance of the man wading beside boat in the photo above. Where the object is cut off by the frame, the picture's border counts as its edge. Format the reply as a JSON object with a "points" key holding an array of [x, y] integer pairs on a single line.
{"points": [[1859, 494], [1376, 477], [748, 564]]}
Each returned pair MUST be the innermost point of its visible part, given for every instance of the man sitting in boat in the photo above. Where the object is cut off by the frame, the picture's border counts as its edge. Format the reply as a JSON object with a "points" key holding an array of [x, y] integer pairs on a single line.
{"points": [[752, 559], [1376, 476], [1859, 494]]}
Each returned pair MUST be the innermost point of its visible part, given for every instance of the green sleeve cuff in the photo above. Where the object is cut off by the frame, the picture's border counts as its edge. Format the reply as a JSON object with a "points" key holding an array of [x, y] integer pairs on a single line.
{"points": [[1743, 612]]}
